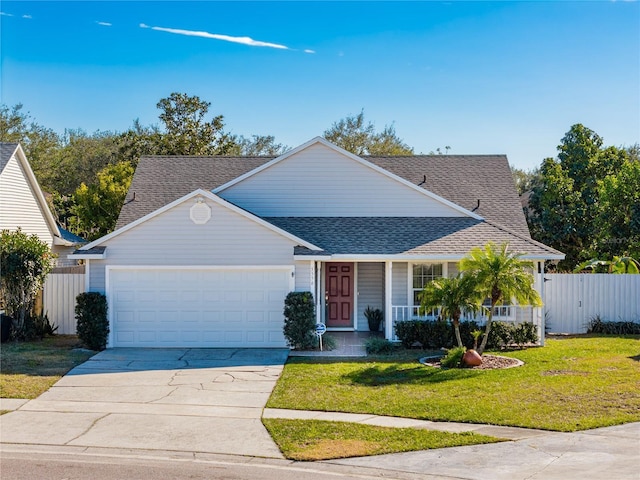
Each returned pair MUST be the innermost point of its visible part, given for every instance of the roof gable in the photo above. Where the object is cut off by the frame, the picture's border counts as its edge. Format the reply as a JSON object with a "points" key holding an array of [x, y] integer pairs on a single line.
{"points": [[9, 151], [321, 179], [203, 193]]}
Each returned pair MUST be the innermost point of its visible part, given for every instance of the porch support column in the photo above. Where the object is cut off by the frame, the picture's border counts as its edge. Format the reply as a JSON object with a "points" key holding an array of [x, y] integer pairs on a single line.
{"points": [[317, 279], [388, 282], [539, 311]]}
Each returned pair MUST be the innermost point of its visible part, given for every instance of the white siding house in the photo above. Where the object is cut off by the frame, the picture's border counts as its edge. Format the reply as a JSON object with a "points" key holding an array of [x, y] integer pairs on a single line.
{"points": [[22, 204], [212, 267]]}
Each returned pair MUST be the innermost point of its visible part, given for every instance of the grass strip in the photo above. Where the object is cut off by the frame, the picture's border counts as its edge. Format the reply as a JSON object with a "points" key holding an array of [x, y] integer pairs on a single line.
{"points": [[311, 440], [570, 384], [28, 369]]}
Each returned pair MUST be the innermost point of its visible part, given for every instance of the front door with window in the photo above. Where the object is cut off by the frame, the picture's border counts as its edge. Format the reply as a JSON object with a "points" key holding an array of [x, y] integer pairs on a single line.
{"points": [[339, 294]]}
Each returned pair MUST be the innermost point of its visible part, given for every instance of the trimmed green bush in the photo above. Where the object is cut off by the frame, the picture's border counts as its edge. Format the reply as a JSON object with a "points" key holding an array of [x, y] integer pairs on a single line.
{"points": [[300, 320], [378, 346], [93, 324], [428, 333], [434, 334]]}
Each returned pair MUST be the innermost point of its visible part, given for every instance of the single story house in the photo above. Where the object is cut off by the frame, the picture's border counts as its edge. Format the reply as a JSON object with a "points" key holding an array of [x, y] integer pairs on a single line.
{"points": [[23, 205], [207, 248]]}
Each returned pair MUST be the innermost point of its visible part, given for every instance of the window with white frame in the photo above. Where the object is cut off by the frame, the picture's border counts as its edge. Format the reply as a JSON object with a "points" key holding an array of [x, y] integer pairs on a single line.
{"points": [[422, 274]]}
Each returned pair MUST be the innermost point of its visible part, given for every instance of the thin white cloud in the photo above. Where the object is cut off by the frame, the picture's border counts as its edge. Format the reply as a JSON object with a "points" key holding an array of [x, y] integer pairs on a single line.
{"points": [[4, 14], [104, 24], [216, 36], [309, 51], [28, 17]]}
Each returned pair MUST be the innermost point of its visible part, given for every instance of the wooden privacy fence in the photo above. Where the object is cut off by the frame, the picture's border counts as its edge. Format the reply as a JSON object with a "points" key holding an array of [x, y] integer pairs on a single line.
{"points": [[572, 300], [59, 297]]}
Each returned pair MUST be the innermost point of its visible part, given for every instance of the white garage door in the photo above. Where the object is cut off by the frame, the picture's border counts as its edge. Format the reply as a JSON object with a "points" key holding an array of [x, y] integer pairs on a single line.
{"points": [[198, 307]]}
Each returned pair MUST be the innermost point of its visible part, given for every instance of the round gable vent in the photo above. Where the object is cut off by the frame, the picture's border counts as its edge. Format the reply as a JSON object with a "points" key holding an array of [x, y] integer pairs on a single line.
{"points": [[200, 212]]}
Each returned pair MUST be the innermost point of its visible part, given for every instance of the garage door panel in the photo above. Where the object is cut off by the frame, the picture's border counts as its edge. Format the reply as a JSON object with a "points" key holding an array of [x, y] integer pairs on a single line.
{"points": [[147, 317], [198, 308], [256, 316]]}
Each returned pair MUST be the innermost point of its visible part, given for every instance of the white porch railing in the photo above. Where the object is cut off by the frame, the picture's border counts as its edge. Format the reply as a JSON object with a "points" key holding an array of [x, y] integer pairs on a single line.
{"points": [[511, 313]]}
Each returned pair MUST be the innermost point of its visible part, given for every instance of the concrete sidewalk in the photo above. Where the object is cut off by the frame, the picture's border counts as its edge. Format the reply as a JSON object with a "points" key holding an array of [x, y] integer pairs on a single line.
{"points": [[602, 453]]}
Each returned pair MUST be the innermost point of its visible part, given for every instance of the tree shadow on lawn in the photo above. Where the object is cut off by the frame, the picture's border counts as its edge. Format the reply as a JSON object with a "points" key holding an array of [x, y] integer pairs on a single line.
{"points": [[378, 375]]}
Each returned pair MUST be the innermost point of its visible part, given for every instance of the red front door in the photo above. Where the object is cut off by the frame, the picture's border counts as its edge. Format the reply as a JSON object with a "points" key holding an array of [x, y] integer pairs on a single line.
{"points": [[339, 294]]}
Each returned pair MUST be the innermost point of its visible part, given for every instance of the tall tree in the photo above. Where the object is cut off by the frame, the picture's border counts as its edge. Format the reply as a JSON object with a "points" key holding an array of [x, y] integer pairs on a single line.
{"points": [[98, 205], [40, 144], [360, 138], [257, 145], [524, 179], [187, 131], [564, 203], [618, 220]]}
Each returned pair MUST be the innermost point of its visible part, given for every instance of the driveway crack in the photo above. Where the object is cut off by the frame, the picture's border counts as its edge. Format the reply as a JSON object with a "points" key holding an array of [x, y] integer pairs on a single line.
{"points": [[93, 424]]}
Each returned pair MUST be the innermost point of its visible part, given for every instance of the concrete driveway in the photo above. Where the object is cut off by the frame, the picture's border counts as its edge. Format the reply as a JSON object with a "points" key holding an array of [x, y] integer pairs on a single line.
{"points": [[199, 400]]}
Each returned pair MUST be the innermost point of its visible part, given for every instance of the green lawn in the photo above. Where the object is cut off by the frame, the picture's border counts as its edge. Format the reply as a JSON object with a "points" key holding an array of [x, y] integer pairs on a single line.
{"points": [[572, 383], [320, 440], [28, 369]]}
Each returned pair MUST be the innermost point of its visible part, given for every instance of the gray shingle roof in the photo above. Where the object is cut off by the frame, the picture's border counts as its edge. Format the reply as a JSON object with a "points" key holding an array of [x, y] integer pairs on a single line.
{"points": [[404, 235], [160, 180], [6, 151], [462, 179], [465, 179]]}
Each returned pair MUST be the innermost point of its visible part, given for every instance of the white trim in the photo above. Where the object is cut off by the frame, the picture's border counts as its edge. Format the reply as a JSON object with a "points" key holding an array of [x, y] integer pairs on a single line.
{"points": [[326, 143], [87, 276], [355, 296], [109, 268], [212, 197], [200, 267], [388, 297], [318, 291], [410, 265], [63, 242], [315, 258], [344, 257], [87, 256]]}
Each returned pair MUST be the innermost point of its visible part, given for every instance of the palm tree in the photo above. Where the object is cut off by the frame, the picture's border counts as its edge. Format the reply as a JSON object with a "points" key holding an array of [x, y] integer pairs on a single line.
{"points": [[624, 264], [500, 275], [452, 296]]}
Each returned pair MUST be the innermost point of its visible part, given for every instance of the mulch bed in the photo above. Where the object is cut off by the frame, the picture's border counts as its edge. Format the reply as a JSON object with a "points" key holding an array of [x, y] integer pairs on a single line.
{"points": [[489, 362]]}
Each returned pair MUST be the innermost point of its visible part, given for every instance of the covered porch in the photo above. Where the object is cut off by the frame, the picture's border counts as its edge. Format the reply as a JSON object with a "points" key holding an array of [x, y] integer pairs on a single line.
{"points": [[343, 290]]}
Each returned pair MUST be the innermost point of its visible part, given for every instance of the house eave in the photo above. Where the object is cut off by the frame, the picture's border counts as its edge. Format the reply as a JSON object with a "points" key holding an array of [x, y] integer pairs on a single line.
{"points": [[345, 257], [87, 256]]}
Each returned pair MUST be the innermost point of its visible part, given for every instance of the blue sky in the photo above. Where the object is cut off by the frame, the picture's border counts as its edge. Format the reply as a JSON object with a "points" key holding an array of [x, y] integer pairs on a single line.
{"points": [[480, 77]]}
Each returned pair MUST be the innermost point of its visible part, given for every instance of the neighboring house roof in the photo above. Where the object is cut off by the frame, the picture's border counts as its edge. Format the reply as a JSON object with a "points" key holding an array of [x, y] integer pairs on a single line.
{"points": [[60, 236], [410, 236], [7, 150]]}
